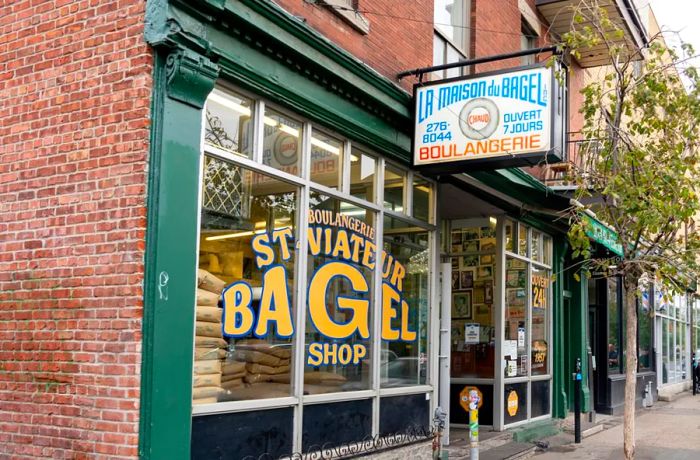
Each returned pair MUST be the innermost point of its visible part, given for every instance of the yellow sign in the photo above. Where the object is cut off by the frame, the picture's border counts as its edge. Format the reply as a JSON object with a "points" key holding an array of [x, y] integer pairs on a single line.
{"points": [[464, 397], [512, 403], [539, 291], [351, 248]]}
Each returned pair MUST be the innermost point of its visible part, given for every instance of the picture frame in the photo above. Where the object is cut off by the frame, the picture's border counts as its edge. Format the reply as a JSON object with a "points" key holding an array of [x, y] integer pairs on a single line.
{"points": [[488, 293], [470, 261], [466, 279], [486, 259], [488, 245], [470, 246], [462, 305], [478, 294], [456, 237], [455, 263], [455, 280], [514, 279], [485, 272], [482, 309], [487, 232], [471, 234]]}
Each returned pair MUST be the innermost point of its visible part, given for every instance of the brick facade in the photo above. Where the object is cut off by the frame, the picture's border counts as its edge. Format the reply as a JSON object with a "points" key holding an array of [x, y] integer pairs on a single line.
{"points": [[400, 35], [75, 86]]}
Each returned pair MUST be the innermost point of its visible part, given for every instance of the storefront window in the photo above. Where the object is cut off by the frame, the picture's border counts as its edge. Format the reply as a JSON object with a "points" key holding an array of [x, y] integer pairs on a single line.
{"points": [[405, 301], [363, 175], [326, 159], [645, 322], [522, 240], [282, 142], [349, 293], [228, 123], [536, 246], [613, 327], [394, 180], [510, 236], [515, 344], [238, 208]]}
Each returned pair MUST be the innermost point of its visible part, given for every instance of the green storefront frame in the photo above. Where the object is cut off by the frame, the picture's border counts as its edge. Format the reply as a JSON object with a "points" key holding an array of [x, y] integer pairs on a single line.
{"points": [[257, 46]]}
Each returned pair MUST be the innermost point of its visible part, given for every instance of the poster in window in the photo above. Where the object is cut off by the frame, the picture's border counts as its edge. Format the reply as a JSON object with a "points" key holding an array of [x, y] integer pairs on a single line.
{"points": [[456, 238], [488, 293], [470, 261], [466, 279], [471, 333], [471, 246], [455, 280], [485, 272]]}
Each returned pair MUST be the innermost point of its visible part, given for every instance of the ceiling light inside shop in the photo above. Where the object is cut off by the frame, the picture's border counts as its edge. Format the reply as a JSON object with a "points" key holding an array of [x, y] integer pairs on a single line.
{"points": [[219, 98], [229, 235], [492, 221]]}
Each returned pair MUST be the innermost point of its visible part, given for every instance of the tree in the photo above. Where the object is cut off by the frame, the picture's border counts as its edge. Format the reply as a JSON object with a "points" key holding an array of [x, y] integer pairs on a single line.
{"points": [[638, 167]]}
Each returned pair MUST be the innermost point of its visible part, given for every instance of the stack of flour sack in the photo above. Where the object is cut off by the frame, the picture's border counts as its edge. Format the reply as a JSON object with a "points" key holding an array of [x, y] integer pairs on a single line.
{"points": [[210, 346]]}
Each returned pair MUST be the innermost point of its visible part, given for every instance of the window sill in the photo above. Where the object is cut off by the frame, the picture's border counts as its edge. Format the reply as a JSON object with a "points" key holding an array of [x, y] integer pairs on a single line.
{"points": [[354, 18]]}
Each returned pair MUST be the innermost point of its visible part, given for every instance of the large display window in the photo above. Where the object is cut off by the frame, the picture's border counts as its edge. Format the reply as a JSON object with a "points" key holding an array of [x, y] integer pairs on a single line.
{"points": [[316, 277]]}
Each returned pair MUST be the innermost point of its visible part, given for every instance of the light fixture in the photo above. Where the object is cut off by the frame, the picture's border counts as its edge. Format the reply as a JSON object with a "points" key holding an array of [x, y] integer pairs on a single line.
{"points": [[229, 235], [492, 221], [219, 98]]}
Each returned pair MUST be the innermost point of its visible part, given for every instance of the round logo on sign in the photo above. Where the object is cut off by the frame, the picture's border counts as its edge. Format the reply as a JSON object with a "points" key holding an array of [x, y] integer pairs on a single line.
{"points": [[470, 396], [286, 150], [478, 119], [512, 403]]}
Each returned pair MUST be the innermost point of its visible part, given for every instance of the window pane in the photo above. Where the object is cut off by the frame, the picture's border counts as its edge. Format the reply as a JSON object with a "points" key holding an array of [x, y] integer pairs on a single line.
{"points": [[536, 246], [394, 180], [399, 414], [363, 176], [522, 240], [613, 327], [547, 250], [515, 345], [540, 321], [452, 18], [540, 398], [282, 142], [421, 199], [452, 55], [405, 298], [228, 124], [510, 236], [438, 56], [240, 208], [326, 159], [340, 296], [666, 357], [515, 403]]}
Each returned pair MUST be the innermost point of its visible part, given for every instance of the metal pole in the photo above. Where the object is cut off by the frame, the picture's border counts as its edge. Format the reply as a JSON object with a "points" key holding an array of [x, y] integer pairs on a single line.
{"points": [[577, 402], [474, 433], [468, 62]]}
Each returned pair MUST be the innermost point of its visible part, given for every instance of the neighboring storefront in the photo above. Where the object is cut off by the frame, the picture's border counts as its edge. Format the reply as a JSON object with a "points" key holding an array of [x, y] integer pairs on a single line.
{"points": [[672, 341]]}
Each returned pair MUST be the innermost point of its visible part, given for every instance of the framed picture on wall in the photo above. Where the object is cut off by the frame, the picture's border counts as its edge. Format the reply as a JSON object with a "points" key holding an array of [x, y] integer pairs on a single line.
{"points": [[486, 260], [488, 293], [479, 293], [470, 261], [488, 232], [485, 272], [455, 263], [456, 238], [471, 246], [455, 280], [471, 234], [462, 305], [466, 279]]}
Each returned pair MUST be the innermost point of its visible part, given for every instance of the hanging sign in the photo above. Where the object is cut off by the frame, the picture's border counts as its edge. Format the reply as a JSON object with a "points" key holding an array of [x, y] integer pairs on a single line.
{"points": [[491, 120], [349, 244]]}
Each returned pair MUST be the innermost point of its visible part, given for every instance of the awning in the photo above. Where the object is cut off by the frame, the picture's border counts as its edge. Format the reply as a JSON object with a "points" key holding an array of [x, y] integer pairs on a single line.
{"points": [[601, 234]]}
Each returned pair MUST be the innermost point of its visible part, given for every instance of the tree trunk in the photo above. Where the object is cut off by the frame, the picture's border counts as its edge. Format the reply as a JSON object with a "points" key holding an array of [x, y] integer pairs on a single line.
{"points": [[630, 357]]}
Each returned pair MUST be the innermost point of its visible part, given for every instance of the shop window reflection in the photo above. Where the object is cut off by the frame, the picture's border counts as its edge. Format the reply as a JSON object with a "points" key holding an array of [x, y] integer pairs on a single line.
{"points": [[363, 175], [515, 327], [394, 183], [228, 122], [282, 142]]}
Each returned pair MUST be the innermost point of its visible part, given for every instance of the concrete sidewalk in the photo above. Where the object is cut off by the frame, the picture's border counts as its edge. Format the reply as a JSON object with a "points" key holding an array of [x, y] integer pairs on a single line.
{"points": [[666, 431]]}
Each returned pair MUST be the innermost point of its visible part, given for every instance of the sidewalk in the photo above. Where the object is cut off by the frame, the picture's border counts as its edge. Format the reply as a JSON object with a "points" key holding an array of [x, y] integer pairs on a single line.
{"points": [[666, 431]]}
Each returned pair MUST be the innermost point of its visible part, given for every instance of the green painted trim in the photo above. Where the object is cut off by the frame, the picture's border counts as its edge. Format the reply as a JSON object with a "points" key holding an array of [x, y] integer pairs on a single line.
{"points": [[560, 372], [171, 253]]}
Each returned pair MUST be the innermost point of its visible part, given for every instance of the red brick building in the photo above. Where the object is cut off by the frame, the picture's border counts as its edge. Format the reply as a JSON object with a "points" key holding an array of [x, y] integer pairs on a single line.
{"points": [[103, 227]]}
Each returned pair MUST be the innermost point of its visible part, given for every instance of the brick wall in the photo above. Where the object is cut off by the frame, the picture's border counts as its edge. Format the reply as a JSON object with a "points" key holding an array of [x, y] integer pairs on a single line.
{"points": [[400, 35], [75, 84]]}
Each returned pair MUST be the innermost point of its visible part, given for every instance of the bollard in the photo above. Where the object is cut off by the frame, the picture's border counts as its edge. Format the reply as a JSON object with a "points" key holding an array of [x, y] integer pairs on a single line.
{"points": [[473, 425], [577, 402]]}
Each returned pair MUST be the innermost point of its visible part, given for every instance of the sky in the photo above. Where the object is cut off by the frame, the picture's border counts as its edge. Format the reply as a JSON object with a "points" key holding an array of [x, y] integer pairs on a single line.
{"points": [[676, 18]]}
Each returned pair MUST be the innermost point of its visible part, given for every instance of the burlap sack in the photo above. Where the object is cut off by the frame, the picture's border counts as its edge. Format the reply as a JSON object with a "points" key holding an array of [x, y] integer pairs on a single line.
{"points": [[209, 314], [209, 282], [204, 401], [206, 353], [255, 368], [210, 342], [256, 378], [279, 351], [325, 378], [203, 329], [206, 380], [259, 357], [232, 384], [205, 392], [210, 366], [262, 390], [280, 378], [232, 367], [206, 298], [229, 377]]}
